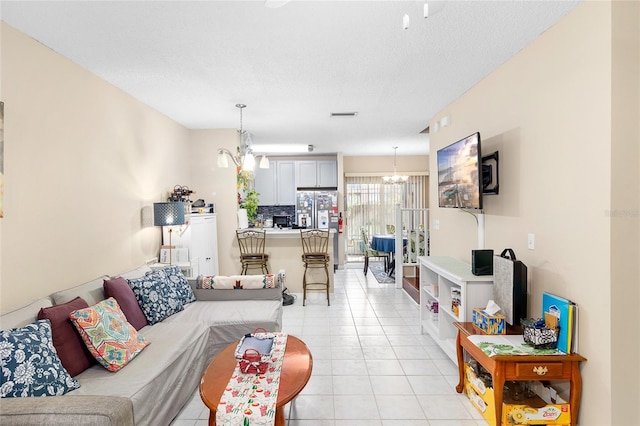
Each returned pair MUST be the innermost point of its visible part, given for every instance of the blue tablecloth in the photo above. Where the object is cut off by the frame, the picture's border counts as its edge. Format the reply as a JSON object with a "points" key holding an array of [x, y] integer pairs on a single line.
{"points": [[385, 243]]}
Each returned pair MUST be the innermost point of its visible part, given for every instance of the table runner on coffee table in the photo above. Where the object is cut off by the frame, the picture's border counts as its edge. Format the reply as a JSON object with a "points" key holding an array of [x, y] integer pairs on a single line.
{"points": [[250, 399]]}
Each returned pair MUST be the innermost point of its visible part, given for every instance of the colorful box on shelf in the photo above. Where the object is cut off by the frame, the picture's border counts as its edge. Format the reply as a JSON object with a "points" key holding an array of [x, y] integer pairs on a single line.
{"points": [[490, 324]]}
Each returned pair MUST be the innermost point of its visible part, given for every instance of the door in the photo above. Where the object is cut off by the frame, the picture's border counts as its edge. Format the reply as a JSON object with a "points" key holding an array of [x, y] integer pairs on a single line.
{"points": [[204, 244]]}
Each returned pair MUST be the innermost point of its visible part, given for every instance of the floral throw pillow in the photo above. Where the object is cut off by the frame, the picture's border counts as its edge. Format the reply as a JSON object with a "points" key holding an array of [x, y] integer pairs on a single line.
{"points": [[179, 283], [110, 338], [30, 365], [156, 296]]}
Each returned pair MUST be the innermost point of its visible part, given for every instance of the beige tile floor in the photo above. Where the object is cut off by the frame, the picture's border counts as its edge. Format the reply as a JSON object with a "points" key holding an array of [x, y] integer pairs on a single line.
{"points": [[371, 365]]}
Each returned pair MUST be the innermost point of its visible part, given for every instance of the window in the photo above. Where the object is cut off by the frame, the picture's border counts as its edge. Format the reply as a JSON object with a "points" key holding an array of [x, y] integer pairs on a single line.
{"points": [[371, 205]]}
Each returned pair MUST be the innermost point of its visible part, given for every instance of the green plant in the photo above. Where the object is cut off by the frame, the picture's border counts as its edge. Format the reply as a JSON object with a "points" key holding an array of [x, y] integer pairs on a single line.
{"points": [[250, 203]]}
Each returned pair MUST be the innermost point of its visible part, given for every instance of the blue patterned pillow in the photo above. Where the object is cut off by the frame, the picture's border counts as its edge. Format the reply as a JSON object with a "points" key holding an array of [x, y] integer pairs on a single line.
{"points": [[180, 283], [156, 296], [30, 364]]}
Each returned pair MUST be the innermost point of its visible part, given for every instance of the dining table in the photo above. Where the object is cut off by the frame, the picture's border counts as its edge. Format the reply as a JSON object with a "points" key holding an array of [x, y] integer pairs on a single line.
{"points": [[386, 243]]}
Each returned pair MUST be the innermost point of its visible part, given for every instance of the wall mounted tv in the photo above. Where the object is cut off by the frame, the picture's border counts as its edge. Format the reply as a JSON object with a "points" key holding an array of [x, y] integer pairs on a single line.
{"points": [[459, 174]]}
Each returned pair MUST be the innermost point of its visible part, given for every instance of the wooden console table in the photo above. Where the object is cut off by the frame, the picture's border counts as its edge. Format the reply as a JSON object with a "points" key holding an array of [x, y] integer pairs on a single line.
{"points": [[520, 368]]}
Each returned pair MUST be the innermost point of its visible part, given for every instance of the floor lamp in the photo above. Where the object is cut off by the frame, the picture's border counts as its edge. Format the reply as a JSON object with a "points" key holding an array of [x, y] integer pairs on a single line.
{"points": [[169, 214]]}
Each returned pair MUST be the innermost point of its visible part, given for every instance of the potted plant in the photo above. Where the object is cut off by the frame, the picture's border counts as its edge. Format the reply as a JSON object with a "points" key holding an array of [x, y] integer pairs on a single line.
{"points": [[248, 198], [250, 203]]}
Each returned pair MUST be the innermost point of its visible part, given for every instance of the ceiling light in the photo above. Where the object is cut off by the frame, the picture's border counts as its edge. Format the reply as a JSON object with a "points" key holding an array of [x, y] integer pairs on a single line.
{"points": [[395, 178], [244, 157], [344, 114], [280, 148], [405, 22]]}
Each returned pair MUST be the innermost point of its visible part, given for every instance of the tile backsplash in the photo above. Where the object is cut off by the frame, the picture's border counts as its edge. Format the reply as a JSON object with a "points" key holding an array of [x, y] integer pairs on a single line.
{"points": [[268, 211]]}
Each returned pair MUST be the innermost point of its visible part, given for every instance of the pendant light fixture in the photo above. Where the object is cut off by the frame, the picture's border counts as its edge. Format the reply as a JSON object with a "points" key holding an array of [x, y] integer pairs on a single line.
{"points": [[396, 178], [244, 156]]}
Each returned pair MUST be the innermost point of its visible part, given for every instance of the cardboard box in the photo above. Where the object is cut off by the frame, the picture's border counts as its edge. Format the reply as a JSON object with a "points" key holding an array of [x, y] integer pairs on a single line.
{"points": [[547, 409], [490, 324], [481, 396]]}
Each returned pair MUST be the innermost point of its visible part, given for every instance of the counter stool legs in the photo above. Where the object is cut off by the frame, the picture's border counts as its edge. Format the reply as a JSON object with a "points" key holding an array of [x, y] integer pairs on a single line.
{"points": [[312, 265]]}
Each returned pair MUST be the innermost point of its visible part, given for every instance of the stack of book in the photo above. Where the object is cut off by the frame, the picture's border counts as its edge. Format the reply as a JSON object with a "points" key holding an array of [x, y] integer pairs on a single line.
{"points": [[567, 314]]}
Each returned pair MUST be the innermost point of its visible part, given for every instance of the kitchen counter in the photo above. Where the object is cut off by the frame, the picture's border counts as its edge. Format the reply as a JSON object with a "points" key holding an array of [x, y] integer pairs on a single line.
{"points": [[289, 233]]}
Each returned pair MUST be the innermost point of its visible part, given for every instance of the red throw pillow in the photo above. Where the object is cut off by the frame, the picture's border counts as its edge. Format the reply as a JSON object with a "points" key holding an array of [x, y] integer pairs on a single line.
{"points": [[119, 289], [72, 351]]}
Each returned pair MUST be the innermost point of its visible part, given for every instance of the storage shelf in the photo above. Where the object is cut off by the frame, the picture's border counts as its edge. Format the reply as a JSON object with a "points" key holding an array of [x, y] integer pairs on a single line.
{"points": [[430, 294], [450, 313], [471, 290]]}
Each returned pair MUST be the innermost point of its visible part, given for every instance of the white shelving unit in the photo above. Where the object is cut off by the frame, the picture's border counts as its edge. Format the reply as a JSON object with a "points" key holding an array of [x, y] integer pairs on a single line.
{"points": [[443, 279]]}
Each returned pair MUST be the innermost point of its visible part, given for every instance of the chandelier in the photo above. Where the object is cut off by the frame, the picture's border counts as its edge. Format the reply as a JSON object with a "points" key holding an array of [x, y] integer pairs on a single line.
{"points": [[396, 178], [244, 157]]}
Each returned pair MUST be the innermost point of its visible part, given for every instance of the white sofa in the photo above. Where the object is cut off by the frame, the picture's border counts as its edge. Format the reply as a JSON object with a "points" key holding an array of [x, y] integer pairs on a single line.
{"points": [[156, 384]]}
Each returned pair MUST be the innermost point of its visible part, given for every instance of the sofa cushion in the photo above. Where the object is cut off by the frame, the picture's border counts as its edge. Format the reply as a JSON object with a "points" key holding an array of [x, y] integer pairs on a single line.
{"points": [[156, 296], [228, 321], [161, 379], [119, 289], [24, 315], [91, 292], [30, 364], [72, 351], [180, 283], [137, 272], [110, 338]]}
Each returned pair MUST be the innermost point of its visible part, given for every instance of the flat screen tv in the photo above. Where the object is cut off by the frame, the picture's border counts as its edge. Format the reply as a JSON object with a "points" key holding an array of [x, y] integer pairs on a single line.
{"points": [[460, 174]]}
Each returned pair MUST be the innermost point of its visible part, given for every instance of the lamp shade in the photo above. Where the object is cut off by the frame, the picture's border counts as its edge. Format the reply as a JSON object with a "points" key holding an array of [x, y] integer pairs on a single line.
{"points": [[169, 213]]}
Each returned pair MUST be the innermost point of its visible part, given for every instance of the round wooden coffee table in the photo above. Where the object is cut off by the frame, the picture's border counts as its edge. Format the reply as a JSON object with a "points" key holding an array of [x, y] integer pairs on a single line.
{"points": [[296, 371]]}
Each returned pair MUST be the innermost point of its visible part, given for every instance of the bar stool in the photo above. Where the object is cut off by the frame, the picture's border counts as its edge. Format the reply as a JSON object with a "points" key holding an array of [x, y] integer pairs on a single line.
{"points": [[315, 255], [251, 243]]}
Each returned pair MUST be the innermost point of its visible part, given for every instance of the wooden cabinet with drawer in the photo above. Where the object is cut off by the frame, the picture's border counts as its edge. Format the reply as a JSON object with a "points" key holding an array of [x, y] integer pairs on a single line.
{"points": [[505, 368]]}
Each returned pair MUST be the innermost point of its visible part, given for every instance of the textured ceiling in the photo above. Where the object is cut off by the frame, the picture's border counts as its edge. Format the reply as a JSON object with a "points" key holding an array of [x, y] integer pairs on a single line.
{"points": [[295, 64]]}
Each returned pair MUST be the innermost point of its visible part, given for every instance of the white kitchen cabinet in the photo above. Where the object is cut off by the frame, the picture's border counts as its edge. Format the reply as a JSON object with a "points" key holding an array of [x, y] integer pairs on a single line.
{"points": [[286, 183], [276, 185], [448, 294], [265, 184], [200, 235], [316, 173], [327, 174]]}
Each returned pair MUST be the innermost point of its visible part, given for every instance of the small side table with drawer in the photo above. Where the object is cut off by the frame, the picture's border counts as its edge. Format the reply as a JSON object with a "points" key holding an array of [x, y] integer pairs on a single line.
{"points": [[520, 368]]}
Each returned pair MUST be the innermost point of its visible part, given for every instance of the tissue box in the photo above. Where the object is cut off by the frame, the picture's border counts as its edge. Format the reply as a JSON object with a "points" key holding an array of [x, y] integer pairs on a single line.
{"points": [[490, 324]]}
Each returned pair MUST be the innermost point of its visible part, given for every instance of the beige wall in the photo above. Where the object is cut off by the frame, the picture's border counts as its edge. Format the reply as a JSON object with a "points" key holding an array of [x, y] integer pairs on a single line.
{"points": [[82, 159], [384, 164], [564, 161], [625, 208], [218, 186]]}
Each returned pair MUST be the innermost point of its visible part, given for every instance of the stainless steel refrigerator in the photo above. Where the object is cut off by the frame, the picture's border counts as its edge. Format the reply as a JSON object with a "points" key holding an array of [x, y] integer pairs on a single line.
{"points": [[318, 208]]}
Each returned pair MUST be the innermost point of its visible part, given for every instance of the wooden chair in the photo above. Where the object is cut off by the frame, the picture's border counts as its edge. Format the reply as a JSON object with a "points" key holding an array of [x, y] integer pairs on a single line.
{"points": [[315, 255], [252, 243], [369, 252]]}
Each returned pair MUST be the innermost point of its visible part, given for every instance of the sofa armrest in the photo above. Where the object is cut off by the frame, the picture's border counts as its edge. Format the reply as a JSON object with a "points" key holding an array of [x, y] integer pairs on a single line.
{"points": [[221, 295], [67, 410]]}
